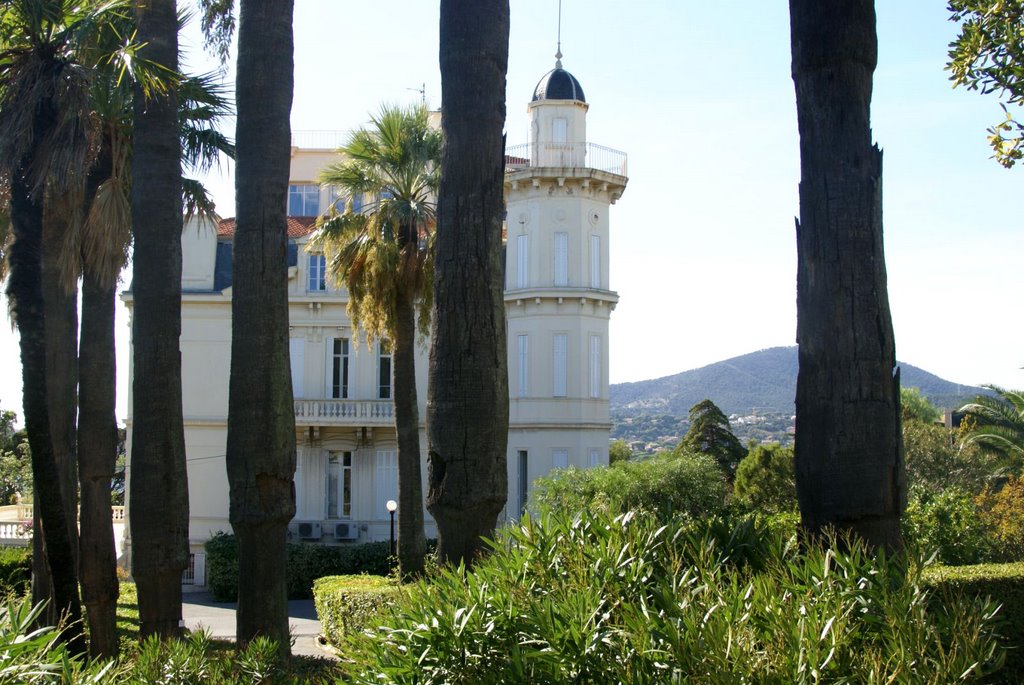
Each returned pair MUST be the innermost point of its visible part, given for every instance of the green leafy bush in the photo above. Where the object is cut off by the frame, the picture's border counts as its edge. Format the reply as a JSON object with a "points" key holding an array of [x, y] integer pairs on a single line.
{"points": [[1002, 511], [15, 569], [603, 599], [306, 563], [347, 604], [766, 480], [947, 523], [1004, 584], [668, 485]]}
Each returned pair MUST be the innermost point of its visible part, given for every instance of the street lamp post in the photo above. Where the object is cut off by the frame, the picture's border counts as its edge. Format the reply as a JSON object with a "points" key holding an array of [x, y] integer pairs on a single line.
{"points": [[392, 506]]}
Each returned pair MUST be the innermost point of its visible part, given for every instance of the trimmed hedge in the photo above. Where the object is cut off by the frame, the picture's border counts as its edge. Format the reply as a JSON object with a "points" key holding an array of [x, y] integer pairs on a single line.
{"points": [[1004, 583], [306, 563], [15, 569], [347, 604]]}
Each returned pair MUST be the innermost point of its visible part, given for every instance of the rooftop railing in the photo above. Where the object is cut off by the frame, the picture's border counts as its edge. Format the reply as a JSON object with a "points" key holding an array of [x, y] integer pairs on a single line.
{"points": [[582, 155], [319, 140]]}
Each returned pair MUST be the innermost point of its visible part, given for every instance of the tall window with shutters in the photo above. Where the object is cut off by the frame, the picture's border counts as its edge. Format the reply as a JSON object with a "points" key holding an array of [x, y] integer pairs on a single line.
{"points": [[561, 255], [387, 481], [339, 369], [595, 261], [595, 366], [383, 370], [339, 485], [560, 459], [317, 282], [522, 260], [523, 468], [560, 345], [523, 366], [296, 353]]}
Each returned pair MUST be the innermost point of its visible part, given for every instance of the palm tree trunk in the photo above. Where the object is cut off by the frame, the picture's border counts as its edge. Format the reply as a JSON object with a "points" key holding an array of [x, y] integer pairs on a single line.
{"points": [[412, 545], [97, 442], [97, 452], [467, 406], [25, 288], [261, 418], [849, 456], [158, 506]]}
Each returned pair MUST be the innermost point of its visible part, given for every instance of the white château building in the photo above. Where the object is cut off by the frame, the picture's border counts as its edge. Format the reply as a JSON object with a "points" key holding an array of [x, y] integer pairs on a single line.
{"points": [[558, 299]]}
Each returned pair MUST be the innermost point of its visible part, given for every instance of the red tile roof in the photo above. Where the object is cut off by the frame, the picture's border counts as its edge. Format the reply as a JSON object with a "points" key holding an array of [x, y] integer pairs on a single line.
{"points": [[298, 226]]}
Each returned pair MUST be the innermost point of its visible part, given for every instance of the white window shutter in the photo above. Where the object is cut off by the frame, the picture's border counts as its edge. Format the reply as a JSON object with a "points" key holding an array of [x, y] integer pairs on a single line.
{"points": [[560, 459], [522, 261], [297, 353], [560, 348], [523, 342], [561, 259], [387, 481], [595, 366], [595, 261]]}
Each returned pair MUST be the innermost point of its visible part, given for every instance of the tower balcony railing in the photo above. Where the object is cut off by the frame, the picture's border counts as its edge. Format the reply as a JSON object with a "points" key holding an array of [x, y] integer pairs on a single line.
{"points": [[580, 155], [344, 412], [320, 140]]}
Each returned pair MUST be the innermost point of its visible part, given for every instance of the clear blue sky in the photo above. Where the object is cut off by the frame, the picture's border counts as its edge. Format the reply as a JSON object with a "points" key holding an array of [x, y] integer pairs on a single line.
{"points": [[699, 95]]}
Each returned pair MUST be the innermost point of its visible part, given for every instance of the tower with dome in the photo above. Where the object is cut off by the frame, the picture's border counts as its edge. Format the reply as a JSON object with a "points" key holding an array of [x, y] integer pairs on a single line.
{"points": [[559, 188]]}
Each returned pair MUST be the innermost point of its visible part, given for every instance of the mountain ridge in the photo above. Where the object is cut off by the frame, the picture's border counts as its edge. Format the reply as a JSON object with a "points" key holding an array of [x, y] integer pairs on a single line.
{"points": [[761, 383]]}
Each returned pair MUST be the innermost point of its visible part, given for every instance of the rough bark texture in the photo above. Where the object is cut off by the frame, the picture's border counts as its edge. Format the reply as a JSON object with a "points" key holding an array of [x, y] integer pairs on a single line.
{"points": [[849, 461], [261, 419], [60, 306], [25, 290], [97, 444], [467, 405], [412, 543], [97, 453], [158, 506]]}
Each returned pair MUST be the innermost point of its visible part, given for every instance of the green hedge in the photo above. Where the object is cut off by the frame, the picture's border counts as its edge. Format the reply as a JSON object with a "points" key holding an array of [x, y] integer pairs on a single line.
{"points": [[306, 563], [1004, 583], [15, 569], [347, 604]]}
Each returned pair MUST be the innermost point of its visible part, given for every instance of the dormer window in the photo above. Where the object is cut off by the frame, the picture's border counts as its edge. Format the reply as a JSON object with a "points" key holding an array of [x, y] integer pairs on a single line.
{"points": [[304, 200]]}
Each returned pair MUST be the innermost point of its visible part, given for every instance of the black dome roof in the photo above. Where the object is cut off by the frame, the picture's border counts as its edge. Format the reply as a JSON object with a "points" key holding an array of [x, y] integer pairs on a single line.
{"points": [[558, 84]]}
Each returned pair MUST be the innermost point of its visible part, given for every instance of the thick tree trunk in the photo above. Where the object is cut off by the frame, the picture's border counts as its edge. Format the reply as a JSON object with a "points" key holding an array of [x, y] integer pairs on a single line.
{"points": [[60, 310], [412, 544], [97, 453], [158, 506], [261, 419], [25, 290], [60, 305], [849, 460], [467, 406]]}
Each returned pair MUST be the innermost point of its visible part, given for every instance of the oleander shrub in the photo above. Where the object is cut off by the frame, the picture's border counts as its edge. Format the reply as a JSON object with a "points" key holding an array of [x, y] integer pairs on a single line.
{"points": [[601, 598], [33, 655], [667, 485], [15, 570], [347, 604], [1003, 584], [306, 563]]}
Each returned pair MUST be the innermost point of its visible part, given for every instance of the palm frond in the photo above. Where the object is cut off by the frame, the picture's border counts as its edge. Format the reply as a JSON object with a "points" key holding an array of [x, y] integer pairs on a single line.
{"points": [[106, 235], [197, 201], [998, 421]]}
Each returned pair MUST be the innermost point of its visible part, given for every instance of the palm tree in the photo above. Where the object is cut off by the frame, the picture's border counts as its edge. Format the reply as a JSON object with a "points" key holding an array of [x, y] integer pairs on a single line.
{"points": [[849, 451], [261, 418], [998, 423], [467, 406], [106, 234], [47, 53], [383, 256], [159, 487]]}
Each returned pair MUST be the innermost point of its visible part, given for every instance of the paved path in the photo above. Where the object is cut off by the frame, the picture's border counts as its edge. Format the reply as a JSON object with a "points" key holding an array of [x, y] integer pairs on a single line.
{"points": [[218, 618]]}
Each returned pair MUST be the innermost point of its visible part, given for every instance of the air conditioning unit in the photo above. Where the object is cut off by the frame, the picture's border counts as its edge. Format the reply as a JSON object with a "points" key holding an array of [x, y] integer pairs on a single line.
{"points": [[346, 531], [309, 530]]}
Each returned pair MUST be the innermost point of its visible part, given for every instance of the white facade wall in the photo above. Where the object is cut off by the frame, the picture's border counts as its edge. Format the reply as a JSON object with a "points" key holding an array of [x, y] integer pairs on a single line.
{"points": [[558, 303]]}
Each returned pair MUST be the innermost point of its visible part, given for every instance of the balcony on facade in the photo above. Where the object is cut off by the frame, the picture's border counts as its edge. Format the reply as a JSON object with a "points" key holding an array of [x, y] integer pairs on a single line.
{"points": [[332, 412], [571, 155]]}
